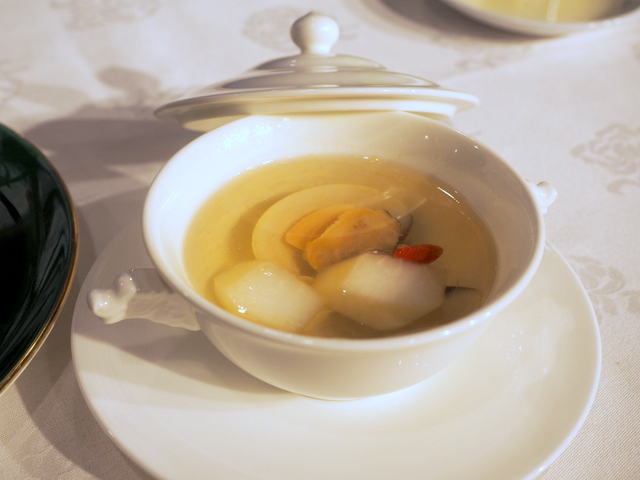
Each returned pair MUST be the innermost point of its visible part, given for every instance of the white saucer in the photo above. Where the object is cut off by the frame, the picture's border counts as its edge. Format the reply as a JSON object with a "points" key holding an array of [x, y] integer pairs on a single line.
{"points": [[505, 410]]}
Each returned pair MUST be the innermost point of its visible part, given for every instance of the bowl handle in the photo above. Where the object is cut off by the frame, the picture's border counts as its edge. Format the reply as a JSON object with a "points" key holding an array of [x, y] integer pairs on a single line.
{"points": [[545, 194], [141, 293]]}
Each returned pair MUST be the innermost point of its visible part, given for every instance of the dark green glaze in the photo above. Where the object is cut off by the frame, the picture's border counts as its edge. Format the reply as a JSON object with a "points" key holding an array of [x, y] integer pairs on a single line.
{"points": [[38, 247]]}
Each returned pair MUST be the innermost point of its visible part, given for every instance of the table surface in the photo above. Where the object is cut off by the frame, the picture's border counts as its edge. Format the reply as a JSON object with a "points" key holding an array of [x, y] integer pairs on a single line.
{"points": [[80, 79]]}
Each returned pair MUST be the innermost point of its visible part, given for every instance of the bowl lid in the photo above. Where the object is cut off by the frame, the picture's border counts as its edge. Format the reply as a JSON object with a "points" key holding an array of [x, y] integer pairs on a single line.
{"points": [[314, 81]]}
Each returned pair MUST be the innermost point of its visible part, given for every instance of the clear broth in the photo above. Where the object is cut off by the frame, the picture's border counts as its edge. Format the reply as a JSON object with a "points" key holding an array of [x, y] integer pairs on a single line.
{"points": [[220, 235]]}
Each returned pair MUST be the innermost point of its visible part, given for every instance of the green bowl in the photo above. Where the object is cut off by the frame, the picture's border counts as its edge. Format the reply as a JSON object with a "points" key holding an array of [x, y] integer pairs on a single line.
{"points": [[38, 250]]}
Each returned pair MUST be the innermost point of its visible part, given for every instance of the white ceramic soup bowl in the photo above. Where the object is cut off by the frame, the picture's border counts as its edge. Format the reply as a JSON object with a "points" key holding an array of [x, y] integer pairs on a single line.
{"points": [[323, 367]]}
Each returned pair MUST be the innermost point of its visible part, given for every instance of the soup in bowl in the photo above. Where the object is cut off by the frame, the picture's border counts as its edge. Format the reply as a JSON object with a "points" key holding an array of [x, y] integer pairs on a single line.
{"points": [[334, 256]]}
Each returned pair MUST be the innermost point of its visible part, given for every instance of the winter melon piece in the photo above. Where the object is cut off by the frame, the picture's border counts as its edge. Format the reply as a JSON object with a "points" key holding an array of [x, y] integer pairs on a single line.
{"points": [[381, 291], [267, 294]]}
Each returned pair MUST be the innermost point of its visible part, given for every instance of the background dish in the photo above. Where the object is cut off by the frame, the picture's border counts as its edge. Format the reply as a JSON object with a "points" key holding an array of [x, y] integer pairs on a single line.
{"points": [[541, 28], [38, 247], [505, 410]]}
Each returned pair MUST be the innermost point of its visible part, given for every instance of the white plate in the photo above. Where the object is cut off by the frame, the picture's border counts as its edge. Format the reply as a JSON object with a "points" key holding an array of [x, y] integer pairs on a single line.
{"points": [[539, 27], [505, 410]]}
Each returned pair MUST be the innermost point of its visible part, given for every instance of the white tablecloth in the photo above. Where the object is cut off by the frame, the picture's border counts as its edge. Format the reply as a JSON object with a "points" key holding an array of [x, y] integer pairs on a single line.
{"points": [[80, 79]]}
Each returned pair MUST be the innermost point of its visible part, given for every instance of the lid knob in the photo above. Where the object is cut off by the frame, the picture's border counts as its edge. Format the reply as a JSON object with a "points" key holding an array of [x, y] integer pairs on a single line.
{"points": [[315, 33]]}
